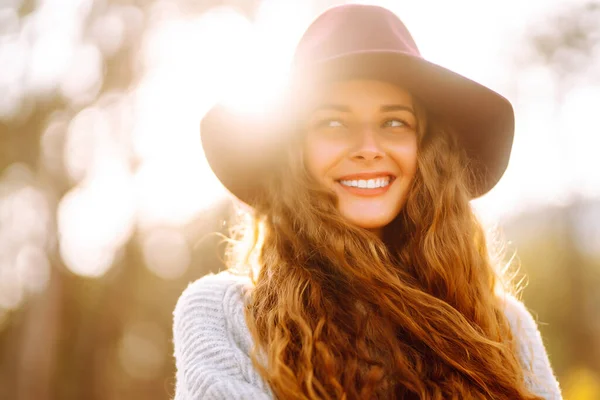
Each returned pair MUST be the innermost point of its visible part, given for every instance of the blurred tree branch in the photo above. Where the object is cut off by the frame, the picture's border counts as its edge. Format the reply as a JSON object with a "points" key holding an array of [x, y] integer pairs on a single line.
{"points": [[568, 42], [568, 45]]}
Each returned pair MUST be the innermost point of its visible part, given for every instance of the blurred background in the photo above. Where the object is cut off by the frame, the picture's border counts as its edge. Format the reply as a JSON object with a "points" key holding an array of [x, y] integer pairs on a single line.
{"points": [[108, 209]]}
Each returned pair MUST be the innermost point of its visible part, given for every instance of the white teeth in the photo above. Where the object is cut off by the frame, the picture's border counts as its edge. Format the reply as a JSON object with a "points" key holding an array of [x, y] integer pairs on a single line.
{"points": [[367, 184]]}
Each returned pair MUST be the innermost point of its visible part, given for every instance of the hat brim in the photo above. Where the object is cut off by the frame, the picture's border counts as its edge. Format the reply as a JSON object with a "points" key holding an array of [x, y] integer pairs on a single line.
{"points": [[241, 149]]}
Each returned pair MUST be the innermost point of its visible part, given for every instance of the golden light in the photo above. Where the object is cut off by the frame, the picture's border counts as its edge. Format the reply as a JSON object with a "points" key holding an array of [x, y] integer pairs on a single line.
{"points": [[95, 219], [25, 223], [580, 139], [83, 76], [56, 26], [87, 140], [172, 191], [166, 253], [190, 64], [13, 58], [12, 292], [33, 268], [263, 60], [141, 350], [184, 61]]}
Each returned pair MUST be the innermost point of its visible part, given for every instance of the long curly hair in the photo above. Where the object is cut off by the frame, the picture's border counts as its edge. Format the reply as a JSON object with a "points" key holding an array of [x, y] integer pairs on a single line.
{"points": [[338, 313]]}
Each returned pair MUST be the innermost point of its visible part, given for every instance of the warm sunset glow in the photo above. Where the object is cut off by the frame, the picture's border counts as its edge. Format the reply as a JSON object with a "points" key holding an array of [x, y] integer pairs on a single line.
{"points": [[109, 208], [94, 220]]}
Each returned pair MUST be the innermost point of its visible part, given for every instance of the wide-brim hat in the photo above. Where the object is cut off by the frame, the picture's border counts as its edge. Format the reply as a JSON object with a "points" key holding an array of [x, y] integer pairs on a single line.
{"points": [[359, 41]]}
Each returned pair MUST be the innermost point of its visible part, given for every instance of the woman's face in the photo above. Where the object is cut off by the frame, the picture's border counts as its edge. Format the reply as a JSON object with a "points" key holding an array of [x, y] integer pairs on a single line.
{"points": [[361, 142]]}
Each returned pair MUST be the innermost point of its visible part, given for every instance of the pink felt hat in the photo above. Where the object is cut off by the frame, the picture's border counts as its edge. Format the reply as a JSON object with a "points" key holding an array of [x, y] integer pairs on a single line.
{"points": [[360, 41]]}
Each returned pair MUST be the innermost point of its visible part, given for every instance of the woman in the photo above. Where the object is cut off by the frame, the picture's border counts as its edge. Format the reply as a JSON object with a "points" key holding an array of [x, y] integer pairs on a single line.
{"points": [[373, 278]]}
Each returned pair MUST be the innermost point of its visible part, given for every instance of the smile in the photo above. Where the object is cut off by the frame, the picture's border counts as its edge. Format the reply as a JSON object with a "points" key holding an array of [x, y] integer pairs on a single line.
{"points": [[367, 183]]}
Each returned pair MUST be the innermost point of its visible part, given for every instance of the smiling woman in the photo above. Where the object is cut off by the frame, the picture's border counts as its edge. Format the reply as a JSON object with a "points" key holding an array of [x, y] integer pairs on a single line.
{"points": [[361, 142], [368, 276]]}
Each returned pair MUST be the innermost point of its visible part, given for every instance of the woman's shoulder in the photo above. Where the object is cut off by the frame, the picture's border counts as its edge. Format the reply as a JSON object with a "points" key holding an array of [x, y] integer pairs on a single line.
{"points": [[519, 317], [212, 297], [216, 284], [212, 342], [209, 320], [532, 352], [523, 325]]}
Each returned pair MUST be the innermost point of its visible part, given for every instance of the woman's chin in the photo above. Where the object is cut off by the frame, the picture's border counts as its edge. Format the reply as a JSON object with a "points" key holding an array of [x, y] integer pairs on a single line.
{"points": [[371, 222], [371, 215]]}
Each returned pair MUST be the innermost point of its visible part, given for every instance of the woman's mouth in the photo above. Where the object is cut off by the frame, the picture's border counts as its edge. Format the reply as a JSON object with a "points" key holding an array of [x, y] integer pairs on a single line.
{"points": [[367, 183], [363, 186]]}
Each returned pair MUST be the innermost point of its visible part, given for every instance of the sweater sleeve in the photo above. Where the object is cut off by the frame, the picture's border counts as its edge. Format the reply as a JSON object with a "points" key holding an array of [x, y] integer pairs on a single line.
{"points": [[209, 362], [534, 358]]}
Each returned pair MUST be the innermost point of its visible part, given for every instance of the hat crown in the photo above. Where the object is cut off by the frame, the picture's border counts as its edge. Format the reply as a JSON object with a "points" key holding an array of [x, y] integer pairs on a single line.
{"points": [[349, 42], [353, 28]]}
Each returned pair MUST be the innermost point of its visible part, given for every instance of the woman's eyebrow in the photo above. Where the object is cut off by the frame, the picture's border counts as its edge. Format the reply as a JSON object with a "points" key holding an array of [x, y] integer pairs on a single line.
{"points": [[331, 107], [397, 107], [346, 109]]}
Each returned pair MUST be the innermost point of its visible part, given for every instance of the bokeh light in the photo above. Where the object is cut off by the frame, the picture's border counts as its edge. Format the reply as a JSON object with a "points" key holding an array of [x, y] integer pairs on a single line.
{"points": [[11, 293], [88, 137], [52, 144], [166, 253], [95, 219], [33, 268], [13, 58], [25, 226], [580, 132], [110, 30], [142, 350], [102, 169], [83, 78]]}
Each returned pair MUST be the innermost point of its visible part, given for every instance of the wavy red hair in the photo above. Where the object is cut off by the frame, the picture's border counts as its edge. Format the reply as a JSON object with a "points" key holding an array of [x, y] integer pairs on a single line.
{"points": [[338, 313]]}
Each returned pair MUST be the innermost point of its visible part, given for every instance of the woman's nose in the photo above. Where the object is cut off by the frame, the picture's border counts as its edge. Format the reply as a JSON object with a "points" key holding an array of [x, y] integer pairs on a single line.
{"points": [[367, 147]]}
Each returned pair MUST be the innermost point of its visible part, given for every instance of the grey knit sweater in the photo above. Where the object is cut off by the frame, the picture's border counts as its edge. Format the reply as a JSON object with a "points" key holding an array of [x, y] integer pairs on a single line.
{"points": [[212, 344]]}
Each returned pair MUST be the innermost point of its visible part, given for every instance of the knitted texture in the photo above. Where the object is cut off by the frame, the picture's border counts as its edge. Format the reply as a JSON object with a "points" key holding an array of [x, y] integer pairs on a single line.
{"points": [[213, 343]]}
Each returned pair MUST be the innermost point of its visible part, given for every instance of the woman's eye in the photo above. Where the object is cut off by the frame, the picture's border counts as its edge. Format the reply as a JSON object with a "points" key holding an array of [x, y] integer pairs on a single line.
{"points": [[330, 123], [394, 123]]}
